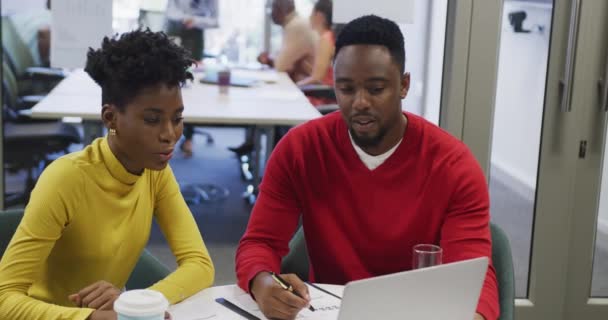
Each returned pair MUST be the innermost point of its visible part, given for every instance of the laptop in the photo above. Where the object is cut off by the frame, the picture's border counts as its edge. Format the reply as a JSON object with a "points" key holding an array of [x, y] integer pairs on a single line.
{"points": [[449, 291], [235, 81]]}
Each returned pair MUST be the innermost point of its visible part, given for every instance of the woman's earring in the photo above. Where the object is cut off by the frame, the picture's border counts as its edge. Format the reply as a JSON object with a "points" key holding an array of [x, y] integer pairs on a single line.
{"points": [[112, 132]]}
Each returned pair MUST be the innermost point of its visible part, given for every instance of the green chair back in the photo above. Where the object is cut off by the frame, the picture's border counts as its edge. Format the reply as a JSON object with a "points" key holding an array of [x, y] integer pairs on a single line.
{"points": [[9, 220], [147, 271], [18, 54], [505, 275], [296, 261], [9, 86]]}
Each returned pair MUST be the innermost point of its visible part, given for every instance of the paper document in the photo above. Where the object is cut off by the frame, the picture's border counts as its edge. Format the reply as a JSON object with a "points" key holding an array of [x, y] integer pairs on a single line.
{"points": [[194, 311], [326, 306]]}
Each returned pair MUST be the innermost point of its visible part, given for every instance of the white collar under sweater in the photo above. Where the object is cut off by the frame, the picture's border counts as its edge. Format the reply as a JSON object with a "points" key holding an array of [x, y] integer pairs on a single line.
{"points": [[373, 162]]}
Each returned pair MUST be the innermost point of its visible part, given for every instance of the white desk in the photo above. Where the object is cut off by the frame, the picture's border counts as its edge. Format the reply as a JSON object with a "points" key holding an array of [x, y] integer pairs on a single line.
{"points": [[202, 306], [266, 104], [275, 101]]}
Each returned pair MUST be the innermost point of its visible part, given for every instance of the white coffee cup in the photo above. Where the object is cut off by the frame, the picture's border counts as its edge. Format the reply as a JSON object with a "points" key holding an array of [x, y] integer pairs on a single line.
{"points": [[141, 305]]}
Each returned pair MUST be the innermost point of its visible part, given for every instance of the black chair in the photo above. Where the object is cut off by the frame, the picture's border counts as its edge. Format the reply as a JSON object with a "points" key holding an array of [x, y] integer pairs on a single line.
{"points": [[18, 106], [31, 78], [9, 221], [29, 144], [321, 91]]}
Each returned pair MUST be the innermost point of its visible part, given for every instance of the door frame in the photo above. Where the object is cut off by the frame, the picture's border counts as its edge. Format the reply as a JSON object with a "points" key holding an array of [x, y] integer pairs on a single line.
{"points": [[468, 99], [591, 67]]}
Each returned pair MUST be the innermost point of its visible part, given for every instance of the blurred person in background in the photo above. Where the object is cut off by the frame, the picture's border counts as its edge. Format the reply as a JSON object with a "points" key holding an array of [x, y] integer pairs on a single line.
{"points": [[187, 20], [295, 56], [322, 69]]}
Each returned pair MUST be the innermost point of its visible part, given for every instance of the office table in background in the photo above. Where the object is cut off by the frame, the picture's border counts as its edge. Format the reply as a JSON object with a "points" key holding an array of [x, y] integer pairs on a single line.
{"points": [[276, 101]]}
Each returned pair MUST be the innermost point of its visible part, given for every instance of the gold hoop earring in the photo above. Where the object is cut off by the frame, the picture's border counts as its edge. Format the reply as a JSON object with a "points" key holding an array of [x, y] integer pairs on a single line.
{"points": [[112, 132]]}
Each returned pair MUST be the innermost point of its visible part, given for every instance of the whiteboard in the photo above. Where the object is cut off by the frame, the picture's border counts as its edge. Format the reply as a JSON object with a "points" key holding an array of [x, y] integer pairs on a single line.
{"points": [[400, 11], [76, 26]]}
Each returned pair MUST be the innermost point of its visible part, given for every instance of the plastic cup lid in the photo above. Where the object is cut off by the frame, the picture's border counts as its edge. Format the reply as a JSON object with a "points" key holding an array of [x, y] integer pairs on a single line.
{"points": [[137, 303]]}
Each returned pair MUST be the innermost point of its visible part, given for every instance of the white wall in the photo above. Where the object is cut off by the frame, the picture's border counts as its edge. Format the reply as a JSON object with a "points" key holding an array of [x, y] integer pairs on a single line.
{"points": [[16, 6], [520, 94], [424, 44], [415, 36], [432, 90]]}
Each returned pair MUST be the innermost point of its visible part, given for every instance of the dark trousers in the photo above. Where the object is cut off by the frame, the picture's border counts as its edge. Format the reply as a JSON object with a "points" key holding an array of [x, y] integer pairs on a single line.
{"points": [[188, 131], [192, 40]]}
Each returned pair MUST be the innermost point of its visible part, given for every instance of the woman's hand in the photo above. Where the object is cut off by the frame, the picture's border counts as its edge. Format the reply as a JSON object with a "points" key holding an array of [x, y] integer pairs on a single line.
{"points": [[103, 315], [100, 295]]}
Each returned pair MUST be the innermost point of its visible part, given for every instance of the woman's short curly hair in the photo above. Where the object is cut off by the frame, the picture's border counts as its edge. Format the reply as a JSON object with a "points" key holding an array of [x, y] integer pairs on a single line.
{"points": [[126, 64]]}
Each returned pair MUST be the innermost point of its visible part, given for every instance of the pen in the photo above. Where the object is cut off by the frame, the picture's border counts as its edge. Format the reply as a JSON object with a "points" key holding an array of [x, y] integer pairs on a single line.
{"points": [[286, 286]]}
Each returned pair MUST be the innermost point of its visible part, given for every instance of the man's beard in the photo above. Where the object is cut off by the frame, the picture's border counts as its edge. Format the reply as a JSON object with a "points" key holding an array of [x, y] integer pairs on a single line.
{"points": [[368, 141]]}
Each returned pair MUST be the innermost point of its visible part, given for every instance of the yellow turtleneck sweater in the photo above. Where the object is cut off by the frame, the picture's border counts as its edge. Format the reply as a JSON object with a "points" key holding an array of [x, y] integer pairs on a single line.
{"points": [[89, 219]]}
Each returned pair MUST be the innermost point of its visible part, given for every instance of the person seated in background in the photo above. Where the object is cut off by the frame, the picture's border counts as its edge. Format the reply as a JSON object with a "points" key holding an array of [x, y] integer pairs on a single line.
{"points": [[368, 183], [296, 53], [295, 56], [90, 214], [322, 69]]}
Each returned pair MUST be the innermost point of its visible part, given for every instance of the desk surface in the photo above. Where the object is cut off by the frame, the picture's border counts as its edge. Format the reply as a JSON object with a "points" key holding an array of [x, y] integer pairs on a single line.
{"points": [[275, 101], [203, 306]]}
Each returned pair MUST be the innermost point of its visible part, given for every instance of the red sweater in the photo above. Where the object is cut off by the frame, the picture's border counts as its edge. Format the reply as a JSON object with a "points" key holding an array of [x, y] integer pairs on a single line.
{"points": [[360, 223]]}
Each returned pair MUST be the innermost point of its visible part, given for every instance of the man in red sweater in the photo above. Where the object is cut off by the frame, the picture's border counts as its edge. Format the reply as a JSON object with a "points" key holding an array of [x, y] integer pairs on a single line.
{"points": [[369, 183]]}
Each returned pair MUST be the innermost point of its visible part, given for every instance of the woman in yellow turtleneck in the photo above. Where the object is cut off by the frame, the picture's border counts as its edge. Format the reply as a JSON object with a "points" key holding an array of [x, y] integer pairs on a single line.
{"points": [[90, 215]]}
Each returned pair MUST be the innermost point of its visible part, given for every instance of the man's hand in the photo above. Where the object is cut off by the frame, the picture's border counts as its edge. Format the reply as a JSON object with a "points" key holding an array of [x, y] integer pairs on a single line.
{"points": [[100, 295], [276, 302], [264, 58], [478, 317], [188, 23]]}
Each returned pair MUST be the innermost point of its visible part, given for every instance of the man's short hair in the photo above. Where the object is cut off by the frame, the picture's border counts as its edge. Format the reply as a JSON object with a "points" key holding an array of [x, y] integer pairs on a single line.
{"points": [[289, 5], [374, 30]]}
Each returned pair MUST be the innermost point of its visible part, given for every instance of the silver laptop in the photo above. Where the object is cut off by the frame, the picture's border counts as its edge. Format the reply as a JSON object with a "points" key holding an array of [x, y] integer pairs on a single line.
{"points": [[449, 291]]}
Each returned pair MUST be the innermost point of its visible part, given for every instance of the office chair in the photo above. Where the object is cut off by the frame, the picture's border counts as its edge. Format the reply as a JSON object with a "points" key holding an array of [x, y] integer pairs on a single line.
{"points": [[296, 261], [29, 143], [17, 105], [503, 264], [30, 78], [147, 271], [9, 220], [322, 91]]}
